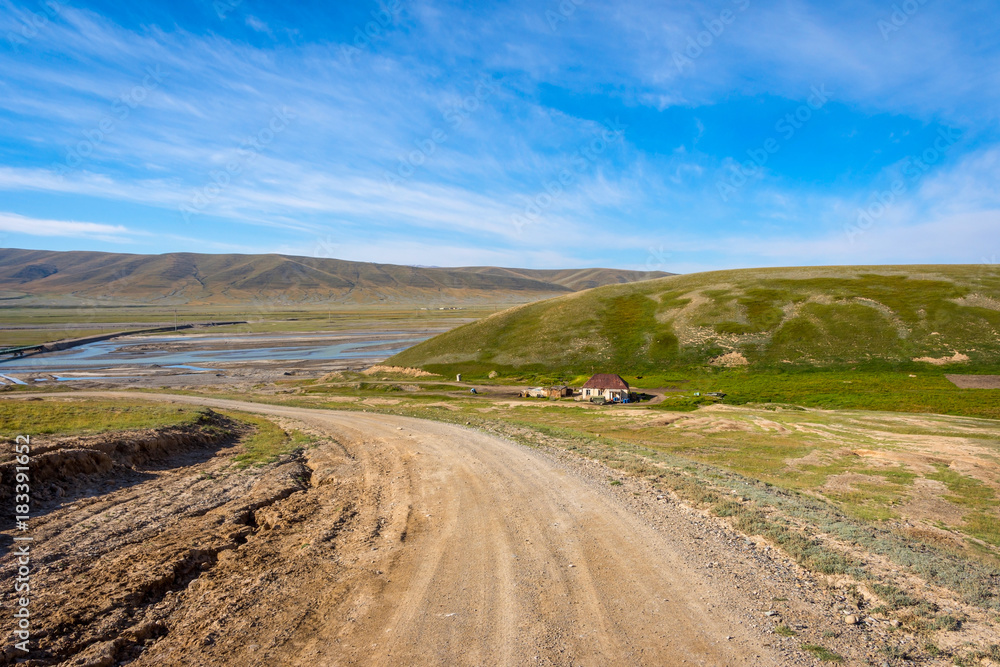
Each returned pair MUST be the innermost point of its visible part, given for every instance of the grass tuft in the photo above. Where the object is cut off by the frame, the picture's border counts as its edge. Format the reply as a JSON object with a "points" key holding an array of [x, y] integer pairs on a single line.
{"points": [[823, 653], [267, 442]]}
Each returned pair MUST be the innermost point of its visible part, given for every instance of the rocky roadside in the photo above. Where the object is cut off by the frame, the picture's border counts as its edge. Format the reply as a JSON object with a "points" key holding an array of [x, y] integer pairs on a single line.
{"points": [[788, 608], [810, 619]]}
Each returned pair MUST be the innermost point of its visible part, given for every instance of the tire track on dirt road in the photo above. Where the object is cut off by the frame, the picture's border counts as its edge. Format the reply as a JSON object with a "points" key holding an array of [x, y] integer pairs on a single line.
{"points": [[489, 552]]}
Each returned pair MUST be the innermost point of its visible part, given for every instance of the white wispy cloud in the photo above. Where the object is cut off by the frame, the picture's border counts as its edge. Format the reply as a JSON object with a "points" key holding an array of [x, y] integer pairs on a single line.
{"points": [[357, 120], [20, 224], [256, 24]]}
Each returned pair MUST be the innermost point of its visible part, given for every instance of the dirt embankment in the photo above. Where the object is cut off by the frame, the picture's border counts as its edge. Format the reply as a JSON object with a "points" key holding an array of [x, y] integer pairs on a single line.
{"points": [[61, 465], [125, 523]]}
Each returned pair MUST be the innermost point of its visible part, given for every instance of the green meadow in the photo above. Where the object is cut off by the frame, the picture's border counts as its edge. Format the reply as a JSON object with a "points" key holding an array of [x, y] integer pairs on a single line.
{"points": [[868, 318]]}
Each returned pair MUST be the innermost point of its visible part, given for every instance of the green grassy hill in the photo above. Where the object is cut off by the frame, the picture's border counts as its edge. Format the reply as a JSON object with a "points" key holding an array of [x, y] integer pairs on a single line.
{"points": [[829, 317]]}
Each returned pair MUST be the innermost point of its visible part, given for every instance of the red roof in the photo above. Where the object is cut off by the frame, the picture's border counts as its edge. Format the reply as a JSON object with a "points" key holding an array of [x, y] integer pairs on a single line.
{"points": [[606, 381]]}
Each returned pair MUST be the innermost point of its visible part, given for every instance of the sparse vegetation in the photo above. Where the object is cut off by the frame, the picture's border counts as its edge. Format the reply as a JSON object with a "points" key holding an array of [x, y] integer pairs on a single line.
{"points": [[822, 653], [267, 442], [894, 652], [71, 416], [892, 597], [975, 657], [946, 622]]}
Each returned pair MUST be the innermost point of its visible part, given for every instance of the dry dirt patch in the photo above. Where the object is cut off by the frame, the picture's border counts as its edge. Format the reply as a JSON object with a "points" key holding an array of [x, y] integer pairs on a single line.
{"points": [[817, 457], [926, 504], [975, 381], [730, 360], [397, 370], [957, 358], [844, 482]]}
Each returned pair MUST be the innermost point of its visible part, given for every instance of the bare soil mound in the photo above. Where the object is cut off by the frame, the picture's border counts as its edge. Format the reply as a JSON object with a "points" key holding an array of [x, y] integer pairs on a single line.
{"points": [[397, 370]]}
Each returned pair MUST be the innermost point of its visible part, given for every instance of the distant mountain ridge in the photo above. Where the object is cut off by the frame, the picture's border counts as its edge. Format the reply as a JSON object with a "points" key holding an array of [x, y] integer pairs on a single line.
{"points": [[207, 279]]}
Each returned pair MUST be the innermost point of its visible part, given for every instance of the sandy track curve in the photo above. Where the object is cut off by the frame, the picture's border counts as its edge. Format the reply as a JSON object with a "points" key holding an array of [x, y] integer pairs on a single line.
{"points": [[470, 549]]}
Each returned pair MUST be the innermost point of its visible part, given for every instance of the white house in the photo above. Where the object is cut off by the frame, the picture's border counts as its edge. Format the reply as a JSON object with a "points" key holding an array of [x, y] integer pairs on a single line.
{"points": [[607, 385]]}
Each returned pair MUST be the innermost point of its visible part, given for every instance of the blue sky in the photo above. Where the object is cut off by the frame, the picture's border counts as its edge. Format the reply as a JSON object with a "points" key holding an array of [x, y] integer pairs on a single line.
{"points": [[678, 136]]}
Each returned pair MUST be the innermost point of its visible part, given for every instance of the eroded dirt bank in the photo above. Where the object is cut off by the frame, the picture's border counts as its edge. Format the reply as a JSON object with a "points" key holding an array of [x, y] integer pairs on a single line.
{"points": [[397, 541], [88, 465]]}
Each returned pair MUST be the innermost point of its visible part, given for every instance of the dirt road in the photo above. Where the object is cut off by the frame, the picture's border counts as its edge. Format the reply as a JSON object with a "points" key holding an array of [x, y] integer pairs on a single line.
{"points": [[399, 541]]}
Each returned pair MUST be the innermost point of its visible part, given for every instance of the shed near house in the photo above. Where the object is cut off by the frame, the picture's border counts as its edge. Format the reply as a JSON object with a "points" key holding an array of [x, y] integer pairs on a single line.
{"points": [[536, 392], [560, 391], [609, 386]]}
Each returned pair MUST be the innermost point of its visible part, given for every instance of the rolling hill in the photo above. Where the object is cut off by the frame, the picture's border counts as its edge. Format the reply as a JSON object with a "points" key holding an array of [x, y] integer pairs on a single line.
{"points": [[765, 318], [203, 279]]}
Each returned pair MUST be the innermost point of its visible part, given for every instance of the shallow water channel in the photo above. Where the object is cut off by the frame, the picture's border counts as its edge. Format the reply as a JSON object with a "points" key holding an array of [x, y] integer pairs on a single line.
{"points": [[205, 352]]}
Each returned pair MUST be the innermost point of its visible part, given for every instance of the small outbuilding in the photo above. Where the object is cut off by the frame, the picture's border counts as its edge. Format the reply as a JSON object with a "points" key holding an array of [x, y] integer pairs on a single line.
{"points": [[608, 386], [560, 392]]}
